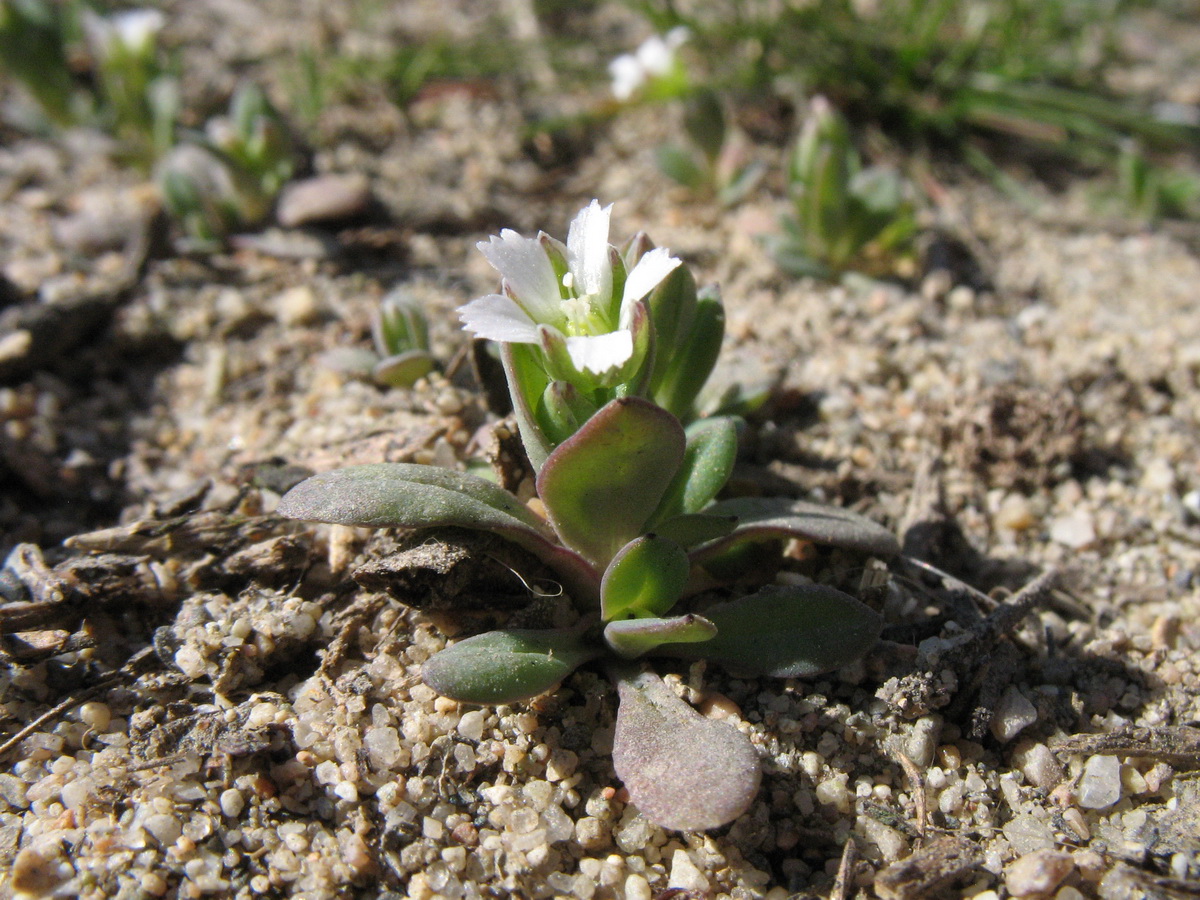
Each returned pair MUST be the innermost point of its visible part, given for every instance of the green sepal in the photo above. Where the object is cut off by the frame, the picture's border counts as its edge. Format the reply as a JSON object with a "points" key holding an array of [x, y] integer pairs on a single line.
{"points": [[645, 578], [602, 484], [506, 666], [563, 409], [786, 632], [631, 638]]}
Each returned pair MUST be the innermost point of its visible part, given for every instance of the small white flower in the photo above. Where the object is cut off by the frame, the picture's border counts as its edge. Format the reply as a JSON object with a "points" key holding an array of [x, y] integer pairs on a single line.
{"points": [[132, 31], [653, 59], [580, 307]]}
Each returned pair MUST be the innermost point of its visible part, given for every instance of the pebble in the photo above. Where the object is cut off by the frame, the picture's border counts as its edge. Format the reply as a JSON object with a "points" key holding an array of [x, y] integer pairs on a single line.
{"points": [[685, 875], [297, 306], [1039, 766], [1100, 786], [1037, 873], [1015, 513], [1013, 713], [922, 742], [1076, 529], [1028, 834], [323, 198], [232, 803]]}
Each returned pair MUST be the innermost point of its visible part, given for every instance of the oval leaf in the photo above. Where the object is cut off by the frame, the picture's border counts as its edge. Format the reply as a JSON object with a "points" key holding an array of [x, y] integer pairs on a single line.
{"points": [[631, 638], [644, 579], [402, 495], [786, 632], [505, 666], [681, 770], [403, 369], [767, 518], [602, 484]]}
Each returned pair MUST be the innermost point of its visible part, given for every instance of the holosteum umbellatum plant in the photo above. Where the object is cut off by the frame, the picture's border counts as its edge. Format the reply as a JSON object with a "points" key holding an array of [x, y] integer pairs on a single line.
{"points": [[605, 351]]}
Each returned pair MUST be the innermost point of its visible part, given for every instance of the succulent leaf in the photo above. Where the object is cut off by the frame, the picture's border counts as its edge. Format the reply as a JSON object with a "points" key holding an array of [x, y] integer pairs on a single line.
{"points": [[769, 518], [403, 369], [695, 528], [707, 464], [645, 578], [786, 632], [403, 495], [631, 638], [601, 485], [505, 666], [683, 771]]}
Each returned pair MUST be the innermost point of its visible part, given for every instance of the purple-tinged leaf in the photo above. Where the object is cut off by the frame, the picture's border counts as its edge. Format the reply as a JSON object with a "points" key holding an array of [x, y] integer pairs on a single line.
{"points": [[402, 495], [601, 485], [682, 771], [645, 578], [786, 632], [505, 666], [631, 638], [770, 518]]}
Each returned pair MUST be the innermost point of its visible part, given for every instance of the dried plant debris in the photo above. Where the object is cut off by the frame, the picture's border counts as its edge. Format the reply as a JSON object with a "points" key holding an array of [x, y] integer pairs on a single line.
{"points": [[455, 570], [937, 867], [1178, 746]]}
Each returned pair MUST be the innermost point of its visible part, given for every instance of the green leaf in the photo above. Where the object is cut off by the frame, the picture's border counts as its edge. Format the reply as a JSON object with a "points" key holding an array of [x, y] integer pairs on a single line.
{"points": [[707, 464], [768, 518], [527, 381], [631, 638], [704, 121], [403, 495], [505, 666], [786, 632], [690, 367], [403, 369], [682, 771], [697, 528], [645, 578], [601, 485]]}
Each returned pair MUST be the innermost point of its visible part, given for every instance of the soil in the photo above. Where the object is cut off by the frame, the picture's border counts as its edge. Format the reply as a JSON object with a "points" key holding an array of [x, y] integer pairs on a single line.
{"points": [[203, 699]]}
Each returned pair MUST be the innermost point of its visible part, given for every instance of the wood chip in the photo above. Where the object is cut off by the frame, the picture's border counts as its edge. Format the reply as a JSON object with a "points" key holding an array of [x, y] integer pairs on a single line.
{"points": [[931, 869]]}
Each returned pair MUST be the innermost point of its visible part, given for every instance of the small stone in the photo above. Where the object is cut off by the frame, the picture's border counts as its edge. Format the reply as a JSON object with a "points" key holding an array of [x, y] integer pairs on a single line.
{"points": [[1015, 513], [232, 803], [685, 875], [1075, 530], [37, 873], [1100, 786], [1037, 873], [164, 828], [592, 833], [1028, 834], [891, 843], [637, 888], [297, 306], [324, 198], [922, 742], [1013, 713], [1191, 505], [470, 726], [95, 715], [1039, 766]]}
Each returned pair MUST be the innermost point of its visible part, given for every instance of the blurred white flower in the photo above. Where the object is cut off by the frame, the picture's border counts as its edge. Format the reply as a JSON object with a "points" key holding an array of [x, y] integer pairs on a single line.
{"points": [[653, 59], [579, 307], [132, 31]]}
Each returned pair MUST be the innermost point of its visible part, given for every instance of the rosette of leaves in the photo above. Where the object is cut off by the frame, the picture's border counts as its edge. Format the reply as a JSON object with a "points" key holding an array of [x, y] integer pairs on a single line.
{"points": [[227, 178], [400, 333], [634, 531], [710, 163], [844, 216]]}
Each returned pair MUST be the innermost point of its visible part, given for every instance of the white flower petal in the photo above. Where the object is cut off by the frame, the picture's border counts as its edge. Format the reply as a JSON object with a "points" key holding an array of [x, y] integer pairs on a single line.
{"points": [[587, 251], [650, 270], [627, 76], [498, 318], [600, 353], [137, 28], [524, 265]]}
